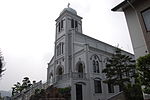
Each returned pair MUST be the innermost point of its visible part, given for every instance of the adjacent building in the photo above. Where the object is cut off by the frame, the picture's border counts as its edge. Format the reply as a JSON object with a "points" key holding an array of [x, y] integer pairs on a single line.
{"points": [[137, 13], [78, 60]]}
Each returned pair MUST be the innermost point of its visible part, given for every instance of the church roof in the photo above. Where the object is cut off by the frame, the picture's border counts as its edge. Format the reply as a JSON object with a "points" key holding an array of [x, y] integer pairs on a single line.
{"points": [[69, 10]]}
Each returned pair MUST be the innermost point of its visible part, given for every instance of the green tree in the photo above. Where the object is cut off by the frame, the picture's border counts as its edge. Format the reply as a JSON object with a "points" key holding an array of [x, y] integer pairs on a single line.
{"points": [[120, 68], [38, 94], [143, 66], [1, 64], [26, 83], [18, 88], [133, 92]]}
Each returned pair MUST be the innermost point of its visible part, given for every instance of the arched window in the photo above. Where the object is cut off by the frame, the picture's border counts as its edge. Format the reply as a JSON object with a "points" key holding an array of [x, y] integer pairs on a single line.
{"points": [[51, 77], [97, 67], [94, 66], [60, 26], [59, 70], [80, 67], [95, 63], [72, 23], [60, 48]]}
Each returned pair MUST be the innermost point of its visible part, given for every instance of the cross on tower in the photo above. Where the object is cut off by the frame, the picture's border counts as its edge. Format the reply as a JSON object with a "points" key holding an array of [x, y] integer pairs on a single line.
{"points": [[68, 5]]}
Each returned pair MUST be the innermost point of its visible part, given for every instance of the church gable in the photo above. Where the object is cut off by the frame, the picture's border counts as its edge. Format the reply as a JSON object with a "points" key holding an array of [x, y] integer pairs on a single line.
{"points": [[51, 61]]}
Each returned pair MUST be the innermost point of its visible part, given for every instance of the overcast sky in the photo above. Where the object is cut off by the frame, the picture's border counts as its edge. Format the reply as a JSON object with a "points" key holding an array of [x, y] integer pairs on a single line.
{"points": [[27, 33]]}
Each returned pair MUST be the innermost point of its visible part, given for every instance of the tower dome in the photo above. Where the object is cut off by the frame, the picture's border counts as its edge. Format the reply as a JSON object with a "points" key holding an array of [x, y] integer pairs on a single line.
{"points": [[69, 9]]}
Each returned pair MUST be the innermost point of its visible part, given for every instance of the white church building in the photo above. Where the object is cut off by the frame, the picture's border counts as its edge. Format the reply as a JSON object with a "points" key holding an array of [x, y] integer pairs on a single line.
{"points": [[79, 59]]}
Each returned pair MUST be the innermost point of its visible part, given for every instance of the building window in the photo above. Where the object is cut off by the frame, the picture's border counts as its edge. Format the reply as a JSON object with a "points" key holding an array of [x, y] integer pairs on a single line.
{"points": [[60, 48], [97, 86], [62, 24], [120, 88], [59, 70], [146, 18], [97, 67], [51, 77], [94, 66], [80, 66], [76, 24], [95, 60], [58, 27], [72, 23], [110, 88]]}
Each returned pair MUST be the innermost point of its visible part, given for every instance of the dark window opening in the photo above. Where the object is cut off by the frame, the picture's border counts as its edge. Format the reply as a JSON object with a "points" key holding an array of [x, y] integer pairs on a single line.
{"points": [[76, 24], [146, 18], [110, 88], [97, 86], [60, 71], [62, 24], [120, 88], [72, 23], [80, 68], [94, 66], [62, 48], [59, 27], [97, 66]]}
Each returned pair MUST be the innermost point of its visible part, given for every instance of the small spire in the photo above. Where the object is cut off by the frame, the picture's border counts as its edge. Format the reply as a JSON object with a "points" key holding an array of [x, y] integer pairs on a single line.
{"points": [[68, 5]]}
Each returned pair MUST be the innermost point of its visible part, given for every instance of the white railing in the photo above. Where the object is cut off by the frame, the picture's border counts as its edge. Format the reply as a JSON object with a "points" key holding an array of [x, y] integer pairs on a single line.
{"points": [[76, 75], [73, 75]]}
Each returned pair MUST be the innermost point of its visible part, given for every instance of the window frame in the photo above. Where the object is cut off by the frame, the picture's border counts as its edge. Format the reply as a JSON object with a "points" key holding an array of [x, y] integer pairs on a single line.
{"points": [[95, 64], [110, 88], [97, 86], [72, 23], [145, 25], [60, 49]]}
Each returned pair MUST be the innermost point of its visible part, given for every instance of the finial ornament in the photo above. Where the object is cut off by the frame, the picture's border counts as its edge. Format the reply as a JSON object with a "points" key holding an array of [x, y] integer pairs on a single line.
{"points": [[68, 5]]}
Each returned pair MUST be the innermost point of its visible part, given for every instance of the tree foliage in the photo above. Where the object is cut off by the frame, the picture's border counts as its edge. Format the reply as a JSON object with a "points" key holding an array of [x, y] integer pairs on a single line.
{"points": [[26, 83], [51, 92], [119, 69], [38, 94], [143, 66], [18, 87], [133, 92], [1, 64]]}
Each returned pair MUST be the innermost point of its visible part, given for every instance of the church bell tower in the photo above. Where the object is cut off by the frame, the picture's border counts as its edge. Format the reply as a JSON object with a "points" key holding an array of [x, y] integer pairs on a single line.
{"points": [[68, 21]]}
